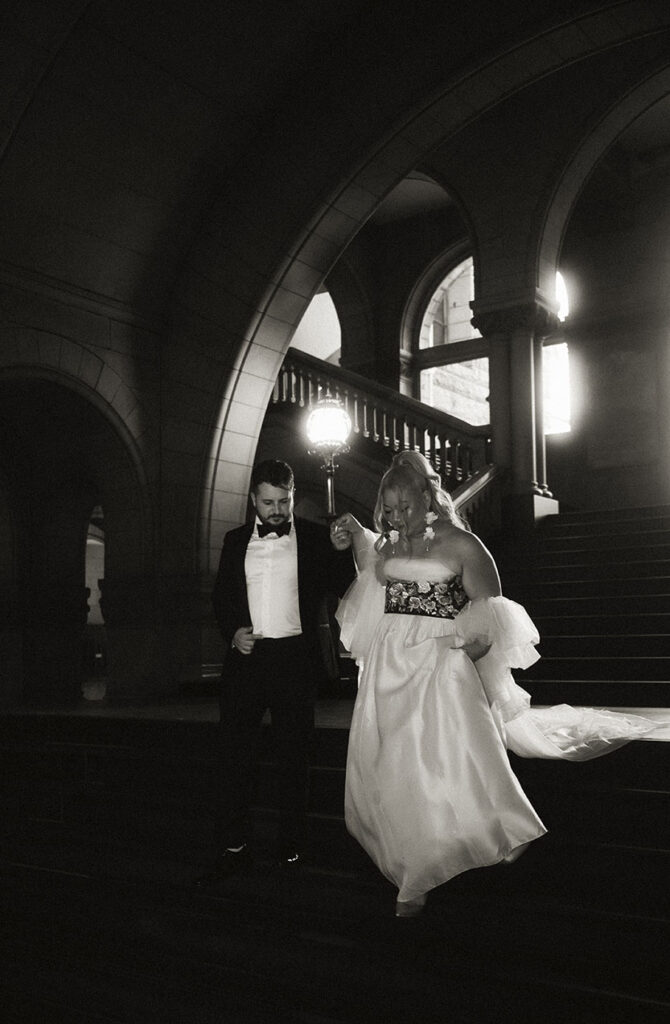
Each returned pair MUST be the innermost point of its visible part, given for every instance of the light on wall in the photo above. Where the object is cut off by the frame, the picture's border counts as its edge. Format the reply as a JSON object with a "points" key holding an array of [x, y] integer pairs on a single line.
{"points": [[328, 427]]}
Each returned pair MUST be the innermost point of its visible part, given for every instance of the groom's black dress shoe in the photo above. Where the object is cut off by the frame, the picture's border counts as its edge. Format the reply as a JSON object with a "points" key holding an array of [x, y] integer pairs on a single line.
{"points": [[291, 860], [228, 864]]}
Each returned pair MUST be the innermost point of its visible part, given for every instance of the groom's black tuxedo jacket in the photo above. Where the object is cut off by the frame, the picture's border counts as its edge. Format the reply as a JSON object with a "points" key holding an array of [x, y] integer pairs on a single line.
{"points": [[321, 569]]}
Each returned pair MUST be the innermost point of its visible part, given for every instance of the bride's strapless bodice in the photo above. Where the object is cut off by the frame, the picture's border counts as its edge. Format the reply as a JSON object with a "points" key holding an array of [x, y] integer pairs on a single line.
{"points": [[423, 586]]}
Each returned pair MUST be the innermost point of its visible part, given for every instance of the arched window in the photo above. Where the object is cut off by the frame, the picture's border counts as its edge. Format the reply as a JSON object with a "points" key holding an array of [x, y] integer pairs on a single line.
{"points": [[319, 333], [556, 372], [448, 378], [452, 369]]}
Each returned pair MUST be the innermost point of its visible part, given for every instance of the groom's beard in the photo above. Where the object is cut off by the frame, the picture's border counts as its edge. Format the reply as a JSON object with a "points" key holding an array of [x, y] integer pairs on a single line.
{"points": [[274, 520]]}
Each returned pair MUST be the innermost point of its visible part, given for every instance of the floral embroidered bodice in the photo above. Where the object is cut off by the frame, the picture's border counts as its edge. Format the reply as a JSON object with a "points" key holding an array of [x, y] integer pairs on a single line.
{"points": [[442, 597]]}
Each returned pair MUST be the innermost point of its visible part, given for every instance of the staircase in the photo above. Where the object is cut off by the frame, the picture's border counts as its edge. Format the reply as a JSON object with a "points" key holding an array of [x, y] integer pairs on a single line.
{"points": [[106, 820], [383, 418], [598, 588], [107, 817]]}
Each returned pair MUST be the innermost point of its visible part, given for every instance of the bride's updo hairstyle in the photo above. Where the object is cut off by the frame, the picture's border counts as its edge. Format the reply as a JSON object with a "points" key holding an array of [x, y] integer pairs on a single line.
{"points": [[413, 470]]}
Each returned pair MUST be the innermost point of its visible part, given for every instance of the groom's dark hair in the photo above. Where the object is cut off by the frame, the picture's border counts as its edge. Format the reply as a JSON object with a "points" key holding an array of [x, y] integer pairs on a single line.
{"points": [[272, 471]]}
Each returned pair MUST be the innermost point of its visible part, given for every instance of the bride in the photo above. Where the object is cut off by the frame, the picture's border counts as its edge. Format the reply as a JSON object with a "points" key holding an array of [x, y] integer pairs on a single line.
{"points": [[430, 792]]}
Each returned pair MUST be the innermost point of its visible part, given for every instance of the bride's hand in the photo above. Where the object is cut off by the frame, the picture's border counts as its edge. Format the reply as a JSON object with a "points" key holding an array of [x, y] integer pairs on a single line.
{"points": [[476, 649], [342, 531]]}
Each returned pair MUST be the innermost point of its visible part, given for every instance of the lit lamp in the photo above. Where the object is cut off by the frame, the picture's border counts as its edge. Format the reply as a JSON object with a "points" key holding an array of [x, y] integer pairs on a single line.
{"points": [[328, 427]]}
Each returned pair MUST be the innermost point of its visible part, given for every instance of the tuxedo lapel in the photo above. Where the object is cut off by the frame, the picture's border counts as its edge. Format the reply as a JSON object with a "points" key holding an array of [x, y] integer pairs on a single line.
{"points": [[238, 573], [305, 551]]}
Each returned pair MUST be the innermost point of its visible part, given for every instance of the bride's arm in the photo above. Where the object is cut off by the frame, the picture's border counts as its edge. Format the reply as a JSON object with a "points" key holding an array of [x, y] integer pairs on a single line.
{"points": [[346, 531], [480, 580]]}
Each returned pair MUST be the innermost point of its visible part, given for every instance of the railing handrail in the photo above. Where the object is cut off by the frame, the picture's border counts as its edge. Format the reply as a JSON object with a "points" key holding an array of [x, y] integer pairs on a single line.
{"points": [[470, 489], [433, 418], [459, 451]]}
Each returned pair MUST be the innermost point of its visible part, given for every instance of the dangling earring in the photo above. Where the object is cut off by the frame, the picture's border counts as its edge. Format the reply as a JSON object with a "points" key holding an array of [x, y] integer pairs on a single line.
{"points": [[394, 537], [429, 532]]}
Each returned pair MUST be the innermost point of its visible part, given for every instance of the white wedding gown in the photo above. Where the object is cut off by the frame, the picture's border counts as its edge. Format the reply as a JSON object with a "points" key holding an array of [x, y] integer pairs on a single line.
{"points": [[429, 788]]}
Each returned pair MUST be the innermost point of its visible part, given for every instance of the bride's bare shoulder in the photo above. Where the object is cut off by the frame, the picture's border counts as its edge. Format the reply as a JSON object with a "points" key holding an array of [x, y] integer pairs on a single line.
{"points": [[459, 540], [450, 531]]}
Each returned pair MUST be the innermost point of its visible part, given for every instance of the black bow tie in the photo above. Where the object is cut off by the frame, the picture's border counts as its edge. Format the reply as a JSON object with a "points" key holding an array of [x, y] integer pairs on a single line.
{"points": [[281, 530]]}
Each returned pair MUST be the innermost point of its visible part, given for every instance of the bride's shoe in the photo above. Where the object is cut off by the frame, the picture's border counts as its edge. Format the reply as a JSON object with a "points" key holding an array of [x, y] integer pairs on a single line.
{"points": [[410, 908]]}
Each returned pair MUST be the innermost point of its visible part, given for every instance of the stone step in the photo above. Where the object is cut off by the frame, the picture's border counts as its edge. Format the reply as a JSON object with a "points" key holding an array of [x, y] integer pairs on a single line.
{"points": [[153, 794], [615, 692], [591, 814], [632, 515], [647, 589], [652, 544], [624, 646], [601, 625], [602, 550], [625, 523], [546, 573], [589, 598], [602, 668]]}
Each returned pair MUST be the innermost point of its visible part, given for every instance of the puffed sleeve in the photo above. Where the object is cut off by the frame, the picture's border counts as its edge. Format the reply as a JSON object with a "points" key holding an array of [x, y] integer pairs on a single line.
{"points": [[361, 608], [559, 732], [512, 636]]}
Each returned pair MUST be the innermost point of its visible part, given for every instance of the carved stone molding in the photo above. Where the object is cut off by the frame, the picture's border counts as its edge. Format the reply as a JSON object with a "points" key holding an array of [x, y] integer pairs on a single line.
{"points": [[528, 316], [406, 363]]}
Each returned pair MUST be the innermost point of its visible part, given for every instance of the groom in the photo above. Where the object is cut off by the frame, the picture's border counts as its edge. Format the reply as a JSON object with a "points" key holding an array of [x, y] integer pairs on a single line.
{"points": [[273, 574]]}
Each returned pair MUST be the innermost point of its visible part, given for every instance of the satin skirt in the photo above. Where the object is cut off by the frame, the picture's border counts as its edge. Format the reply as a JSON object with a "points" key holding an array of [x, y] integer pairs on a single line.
{"points": [[430, 792]]}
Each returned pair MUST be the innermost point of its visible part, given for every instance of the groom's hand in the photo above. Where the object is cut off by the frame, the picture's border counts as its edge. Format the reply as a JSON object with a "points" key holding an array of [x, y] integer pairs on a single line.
{"points": [[244, 639], [342, 531]]}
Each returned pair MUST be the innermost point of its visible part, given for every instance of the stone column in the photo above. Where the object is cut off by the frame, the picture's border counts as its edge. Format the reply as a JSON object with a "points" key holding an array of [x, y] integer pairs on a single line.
{"points": [[540, 443], [515, 381]]}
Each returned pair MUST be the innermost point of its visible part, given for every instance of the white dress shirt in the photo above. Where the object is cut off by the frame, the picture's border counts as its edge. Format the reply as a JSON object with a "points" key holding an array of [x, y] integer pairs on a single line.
{"points": [[271, 569]]}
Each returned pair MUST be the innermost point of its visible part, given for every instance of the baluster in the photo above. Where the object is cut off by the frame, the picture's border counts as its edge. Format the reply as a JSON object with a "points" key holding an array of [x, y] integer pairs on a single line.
{"points": [[375, 424], [448, 466], [456, 470], [366, 422], [430, 445], [385, 436], [468, 462], [292, 389], [437, 454], [444, 457], [395, 443], [301, 389], [356, 412], [404, 433], [464, 461]]}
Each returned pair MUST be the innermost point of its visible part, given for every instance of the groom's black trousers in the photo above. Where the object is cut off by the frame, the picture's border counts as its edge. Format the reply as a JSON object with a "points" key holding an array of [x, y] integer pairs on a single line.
{"points": [[278, 675]]}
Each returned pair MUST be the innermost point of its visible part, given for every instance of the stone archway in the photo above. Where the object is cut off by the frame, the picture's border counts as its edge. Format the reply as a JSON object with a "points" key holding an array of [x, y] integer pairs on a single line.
{"points": [[557, 213], [319, 243], [65, 456]]}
